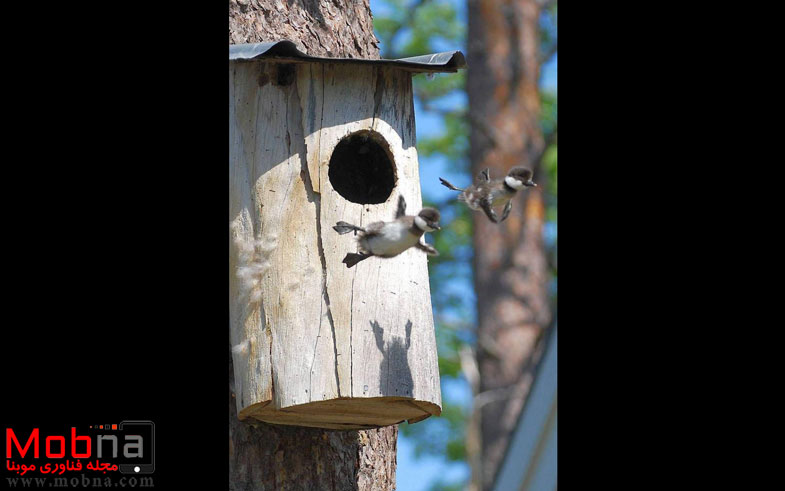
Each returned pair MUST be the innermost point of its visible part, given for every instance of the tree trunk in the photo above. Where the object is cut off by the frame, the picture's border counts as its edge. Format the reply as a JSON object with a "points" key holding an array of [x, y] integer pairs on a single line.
{"points": [[331, 28], [509, 262], [266, 456]]}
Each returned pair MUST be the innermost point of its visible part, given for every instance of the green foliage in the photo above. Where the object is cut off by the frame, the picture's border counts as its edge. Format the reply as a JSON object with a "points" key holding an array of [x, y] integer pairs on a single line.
{"points": [[439, 85], [549, 164], [443, 436], [414, 27], [548, 111], [453, 143]]}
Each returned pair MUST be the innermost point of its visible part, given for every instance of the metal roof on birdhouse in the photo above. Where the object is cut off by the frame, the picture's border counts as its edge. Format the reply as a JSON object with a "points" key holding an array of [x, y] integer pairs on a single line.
{"points": [[448, 61]]}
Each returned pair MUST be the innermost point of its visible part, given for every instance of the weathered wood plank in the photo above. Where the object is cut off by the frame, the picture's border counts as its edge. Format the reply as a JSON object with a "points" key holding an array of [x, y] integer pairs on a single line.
{"points": [[356, 413], [282, 230], [347, 108], [248, 336], [302, 352], [310, 82]]}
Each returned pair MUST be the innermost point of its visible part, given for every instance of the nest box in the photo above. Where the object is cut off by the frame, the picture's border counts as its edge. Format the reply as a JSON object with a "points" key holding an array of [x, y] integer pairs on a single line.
{"points": [[314, 141]]}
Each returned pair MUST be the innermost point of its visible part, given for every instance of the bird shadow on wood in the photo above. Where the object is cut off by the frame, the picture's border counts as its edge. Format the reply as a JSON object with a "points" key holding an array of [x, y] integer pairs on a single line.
{"points": [[395, 362]]}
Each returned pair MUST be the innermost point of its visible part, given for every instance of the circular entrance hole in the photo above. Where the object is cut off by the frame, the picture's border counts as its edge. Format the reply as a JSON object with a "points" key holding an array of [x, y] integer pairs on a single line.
{"points": [[361, 169]]}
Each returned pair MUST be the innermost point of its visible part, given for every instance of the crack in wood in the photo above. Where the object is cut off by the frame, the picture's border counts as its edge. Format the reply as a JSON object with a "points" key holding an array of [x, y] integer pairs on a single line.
{"points": [[323, 260], [316, 197], [269, 333], [315, 345], [351, 330]]}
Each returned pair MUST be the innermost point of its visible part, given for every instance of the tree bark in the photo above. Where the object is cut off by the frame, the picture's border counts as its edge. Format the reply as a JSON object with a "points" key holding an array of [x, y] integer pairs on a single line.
{"points": [[331, 28], [264, 456], [509, 262]]}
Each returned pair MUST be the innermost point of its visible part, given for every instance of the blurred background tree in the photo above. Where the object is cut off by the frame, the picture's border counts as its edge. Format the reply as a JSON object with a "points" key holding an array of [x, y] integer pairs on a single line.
{"points": [[493, 286]]}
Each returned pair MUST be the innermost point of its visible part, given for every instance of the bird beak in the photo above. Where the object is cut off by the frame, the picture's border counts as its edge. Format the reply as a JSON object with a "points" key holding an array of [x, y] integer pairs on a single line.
{"points": [[435, 226], [531, 183]]}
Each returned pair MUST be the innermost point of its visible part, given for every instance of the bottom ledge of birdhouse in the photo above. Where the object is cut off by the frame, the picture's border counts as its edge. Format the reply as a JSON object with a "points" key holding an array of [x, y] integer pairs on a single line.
{"points": [[344, 413]]}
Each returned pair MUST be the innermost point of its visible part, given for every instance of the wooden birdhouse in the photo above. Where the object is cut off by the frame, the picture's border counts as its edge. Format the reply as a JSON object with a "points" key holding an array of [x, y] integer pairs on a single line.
{"points": [[314, 141]]}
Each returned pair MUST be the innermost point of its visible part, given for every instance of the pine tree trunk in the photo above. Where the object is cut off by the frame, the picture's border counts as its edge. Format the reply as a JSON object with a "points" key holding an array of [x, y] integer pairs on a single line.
{"points": [[509, 262], [273, 457], [331, 28]]}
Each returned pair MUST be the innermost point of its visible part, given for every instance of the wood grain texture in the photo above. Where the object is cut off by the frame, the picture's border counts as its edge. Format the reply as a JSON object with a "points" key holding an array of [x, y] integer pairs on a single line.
{"points": [[316, 343], [310, 87], [248, 335]]}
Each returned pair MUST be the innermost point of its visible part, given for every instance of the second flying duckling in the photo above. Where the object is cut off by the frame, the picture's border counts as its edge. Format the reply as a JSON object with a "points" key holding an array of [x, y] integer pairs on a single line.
{"points": [[485, 193]]}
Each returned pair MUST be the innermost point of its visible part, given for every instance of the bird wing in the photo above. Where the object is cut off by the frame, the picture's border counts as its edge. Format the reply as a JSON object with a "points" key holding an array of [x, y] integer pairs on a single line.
{"points": [[484, 188], [484, 176]]}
